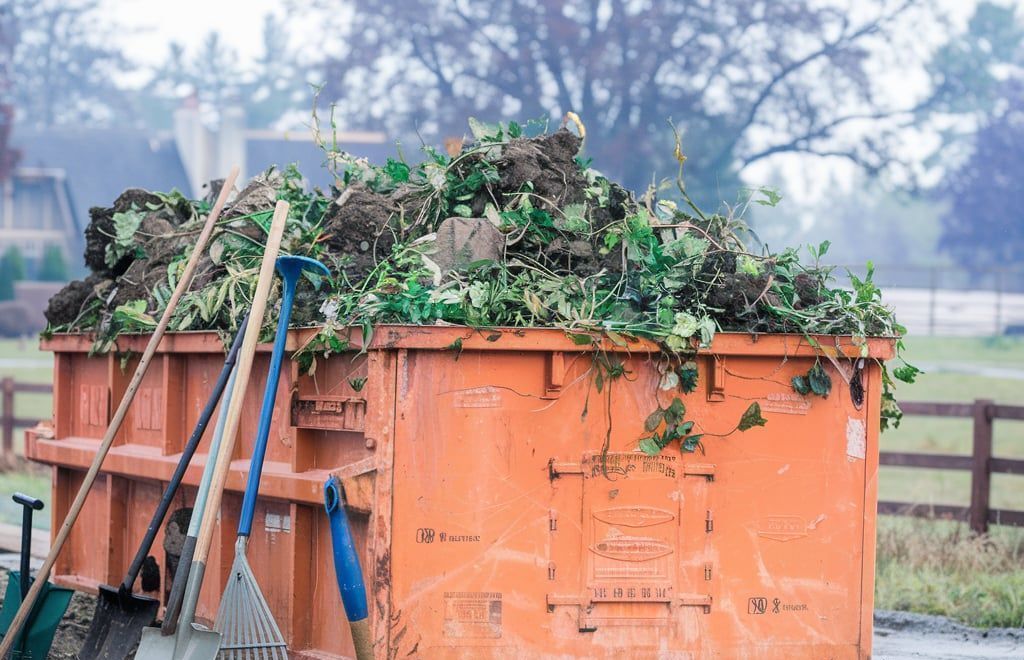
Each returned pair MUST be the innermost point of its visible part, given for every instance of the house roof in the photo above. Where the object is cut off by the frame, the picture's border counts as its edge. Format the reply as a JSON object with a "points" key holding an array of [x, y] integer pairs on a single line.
{"points": [[101, 162]]}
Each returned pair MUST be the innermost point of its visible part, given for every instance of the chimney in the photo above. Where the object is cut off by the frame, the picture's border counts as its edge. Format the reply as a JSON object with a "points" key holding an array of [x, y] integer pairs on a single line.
{"points": [[195, 144], [231, 149]]}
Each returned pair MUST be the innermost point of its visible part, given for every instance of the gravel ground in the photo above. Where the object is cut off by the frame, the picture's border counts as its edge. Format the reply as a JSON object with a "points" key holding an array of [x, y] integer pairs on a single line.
{"points": [[906, 636]]}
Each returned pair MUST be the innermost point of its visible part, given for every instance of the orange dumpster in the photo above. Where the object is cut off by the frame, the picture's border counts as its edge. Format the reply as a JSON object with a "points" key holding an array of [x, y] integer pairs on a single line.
{"points": [[498, 497]]}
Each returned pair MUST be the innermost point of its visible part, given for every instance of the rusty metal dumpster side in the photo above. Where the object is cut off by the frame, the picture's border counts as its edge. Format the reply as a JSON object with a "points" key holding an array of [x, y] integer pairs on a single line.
{"points": [[500, 503]]}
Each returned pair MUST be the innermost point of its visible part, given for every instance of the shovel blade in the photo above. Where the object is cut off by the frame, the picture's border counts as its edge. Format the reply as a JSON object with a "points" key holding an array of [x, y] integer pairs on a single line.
{"points": [[42, 622], [189, 643], [117, 625]]}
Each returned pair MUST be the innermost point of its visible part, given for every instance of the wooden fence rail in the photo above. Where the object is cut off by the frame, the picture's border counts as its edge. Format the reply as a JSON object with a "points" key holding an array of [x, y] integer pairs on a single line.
{"points": [[8, 420], [980, 463]]}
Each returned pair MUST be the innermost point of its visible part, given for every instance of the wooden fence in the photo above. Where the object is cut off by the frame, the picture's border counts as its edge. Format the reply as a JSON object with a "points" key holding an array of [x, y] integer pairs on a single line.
{"points": [[980, 463], [8, 420]]}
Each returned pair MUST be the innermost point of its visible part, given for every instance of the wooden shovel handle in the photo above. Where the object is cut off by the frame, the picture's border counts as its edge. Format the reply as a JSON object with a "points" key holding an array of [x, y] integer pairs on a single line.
{"points": [[245, 358], [115, 424]]}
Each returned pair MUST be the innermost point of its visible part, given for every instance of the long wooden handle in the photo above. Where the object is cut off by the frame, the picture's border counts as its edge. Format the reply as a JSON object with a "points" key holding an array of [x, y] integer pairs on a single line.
{"points": [[115, 424], [234, 414]]}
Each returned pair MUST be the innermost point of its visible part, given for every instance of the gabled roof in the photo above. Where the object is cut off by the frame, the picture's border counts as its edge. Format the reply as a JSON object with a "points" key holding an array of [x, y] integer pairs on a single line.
{"points": [[101, 162]]}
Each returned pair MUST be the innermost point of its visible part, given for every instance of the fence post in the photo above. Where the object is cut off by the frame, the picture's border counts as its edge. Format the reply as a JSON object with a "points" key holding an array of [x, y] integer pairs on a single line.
{"points": [[7, 410], [981, 456]]}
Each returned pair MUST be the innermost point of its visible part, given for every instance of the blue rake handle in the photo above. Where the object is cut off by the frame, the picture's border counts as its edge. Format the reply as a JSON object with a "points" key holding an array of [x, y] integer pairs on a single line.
{"points": [[290, 269], [346, 561]]}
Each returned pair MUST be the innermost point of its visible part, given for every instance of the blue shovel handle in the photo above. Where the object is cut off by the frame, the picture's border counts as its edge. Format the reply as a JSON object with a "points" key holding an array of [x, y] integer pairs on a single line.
{"points": [[346, 561], [290, 269]]}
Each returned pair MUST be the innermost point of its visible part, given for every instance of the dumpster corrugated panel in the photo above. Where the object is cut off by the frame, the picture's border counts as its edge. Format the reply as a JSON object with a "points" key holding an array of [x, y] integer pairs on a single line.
{"points": [[498, 499]]}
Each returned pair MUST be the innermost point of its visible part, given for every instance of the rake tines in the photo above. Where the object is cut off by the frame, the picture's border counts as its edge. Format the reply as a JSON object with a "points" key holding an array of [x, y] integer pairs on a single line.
{"points": [[247, 627]]}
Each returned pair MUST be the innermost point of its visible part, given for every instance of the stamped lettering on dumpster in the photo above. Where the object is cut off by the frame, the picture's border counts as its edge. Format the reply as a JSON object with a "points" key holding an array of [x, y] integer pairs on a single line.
{"points": [[478, 397], [786, 403], [328, 413], [631, 465], [472, 614]]}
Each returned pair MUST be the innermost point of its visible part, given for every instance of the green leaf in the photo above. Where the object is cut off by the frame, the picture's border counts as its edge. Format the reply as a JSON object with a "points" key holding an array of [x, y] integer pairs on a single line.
{"points": [[684, 428], [514, 130], [819, 380], [771, 196], [654, 420], [801, 385], [691, 443], [455, 347], [908, 373], [581, 339], [751, 418], [688, 376], [650, 446], [397, 171], [463, 210]]}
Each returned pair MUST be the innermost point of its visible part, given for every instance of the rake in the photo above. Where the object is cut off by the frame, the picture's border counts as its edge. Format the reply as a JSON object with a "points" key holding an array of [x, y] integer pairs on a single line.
{"points": [[247, 628]]}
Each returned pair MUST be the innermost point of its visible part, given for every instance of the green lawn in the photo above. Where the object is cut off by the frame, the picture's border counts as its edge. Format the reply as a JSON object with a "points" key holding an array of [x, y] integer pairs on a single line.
{"points": [[945, 435]]}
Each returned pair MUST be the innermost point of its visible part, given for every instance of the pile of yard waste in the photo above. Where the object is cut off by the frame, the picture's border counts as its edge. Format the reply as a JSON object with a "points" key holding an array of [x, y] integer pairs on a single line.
{"points": [[514, 230]]}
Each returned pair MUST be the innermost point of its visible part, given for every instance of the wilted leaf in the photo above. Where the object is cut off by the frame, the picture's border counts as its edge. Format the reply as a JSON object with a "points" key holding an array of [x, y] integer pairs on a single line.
{"points": [[654, 420], [675, 412], [801, 385], [751, 418]]}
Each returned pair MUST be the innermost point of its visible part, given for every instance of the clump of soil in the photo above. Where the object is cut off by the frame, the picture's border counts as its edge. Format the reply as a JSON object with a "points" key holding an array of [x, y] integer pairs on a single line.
{"points": [[548, 162], [360, 228]]}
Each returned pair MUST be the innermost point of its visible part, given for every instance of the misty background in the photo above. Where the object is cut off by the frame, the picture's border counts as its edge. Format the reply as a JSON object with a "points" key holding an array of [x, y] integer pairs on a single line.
{"points": [[892, 128]]}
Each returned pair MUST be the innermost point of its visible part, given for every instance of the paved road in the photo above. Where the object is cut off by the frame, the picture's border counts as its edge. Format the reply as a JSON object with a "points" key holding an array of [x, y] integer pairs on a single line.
{"points": [[905, 636]]}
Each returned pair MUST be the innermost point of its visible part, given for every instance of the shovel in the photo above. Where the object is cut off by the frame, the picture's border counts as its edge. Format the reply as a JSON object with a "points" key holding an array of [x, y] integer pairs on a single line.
{"points": [[346, 569], [121, 615], [244, 620], [36, 635], [191, 640]]}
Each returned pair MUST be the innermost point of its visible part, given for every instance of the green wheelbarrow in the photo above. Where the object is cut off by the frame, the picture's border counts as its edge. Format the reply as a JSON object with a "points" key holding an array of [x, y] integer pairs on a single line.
{"points": [[36, 636]]}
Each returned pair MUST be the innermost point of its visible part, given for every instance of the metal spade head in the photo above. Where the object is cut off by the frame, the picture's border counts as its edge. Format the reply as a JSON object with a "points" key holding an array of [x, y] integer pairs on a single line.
{"points": [[191, 642], [118, 623]]}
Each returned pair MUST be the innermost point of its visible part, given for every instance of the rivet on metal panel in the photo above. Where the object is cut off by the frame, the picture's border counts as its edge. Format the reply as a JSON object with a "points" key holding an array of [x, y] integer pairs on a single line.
{"points": [[371, 443], [553, 521], [555, 374], [709, 523], [716, 378]]}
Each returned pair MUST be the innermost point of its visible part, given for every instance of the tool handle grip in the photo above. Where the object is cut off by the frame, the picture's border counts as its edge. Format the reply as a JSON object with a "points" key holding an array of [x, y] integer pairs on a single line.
{"points": [[346, 560], [28, 500]]}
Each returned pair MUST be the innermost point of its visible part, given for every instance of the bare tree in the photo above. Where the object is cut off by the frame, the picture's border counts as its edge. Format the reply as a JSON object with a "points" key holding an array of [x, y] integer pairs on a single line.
{"points": [[63, 66], [744, 79]]}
